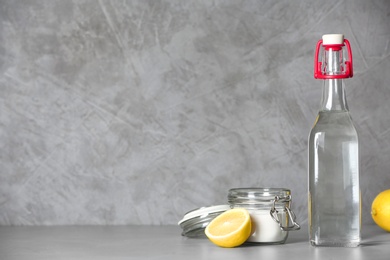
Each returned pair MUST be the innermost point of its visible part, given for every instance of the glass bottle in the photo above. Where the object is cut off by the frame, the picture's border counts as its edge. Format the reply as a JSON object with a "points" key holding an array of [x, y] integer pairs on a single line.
{"points": [[334, 192]]}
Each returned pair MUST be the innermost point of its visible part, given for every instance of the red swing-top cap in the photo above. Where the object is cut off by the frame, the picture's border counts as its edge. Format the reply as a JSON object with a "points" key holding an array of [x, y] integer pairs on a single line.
{"points": [[335, 42]]}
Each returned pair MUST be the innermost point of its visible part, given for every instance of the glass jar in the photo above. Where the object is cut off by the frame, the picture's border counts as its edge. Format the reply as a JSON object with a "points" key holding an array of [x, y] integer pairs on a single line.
{"points": [[270, 212]]}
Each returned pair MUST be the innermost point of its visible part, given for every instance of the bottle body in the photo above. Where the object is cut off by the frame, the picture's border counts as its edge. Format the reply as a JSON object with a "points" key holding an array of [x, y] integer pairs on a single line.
{"points": [[334, 191]]}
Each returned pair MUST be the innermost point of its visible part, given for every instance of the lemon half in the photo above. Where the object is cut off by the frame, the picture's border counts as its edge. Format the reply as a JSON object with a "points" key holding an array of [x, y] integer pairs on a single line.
{"points": [[230, 229], [380, 210]]}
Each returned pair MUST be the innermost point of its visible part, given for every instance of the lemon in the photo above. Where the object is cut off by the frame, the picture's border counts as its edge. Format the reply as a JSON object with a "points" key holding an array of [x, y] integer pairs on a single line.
{"points": [[380, 210], [230, 229]]}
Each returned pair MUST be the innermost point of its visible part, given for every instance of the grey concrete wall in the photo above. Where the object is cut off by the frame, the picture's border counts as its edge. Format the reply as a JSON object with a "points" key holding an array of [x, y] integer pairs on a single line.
{"points": [[134, 112]]}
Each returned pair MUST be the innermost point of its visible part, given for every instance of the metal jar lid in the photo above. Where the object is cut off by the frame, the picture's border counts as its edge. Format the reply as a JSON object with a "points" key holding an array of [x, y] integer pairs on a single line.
{"points": [[195, 221]]}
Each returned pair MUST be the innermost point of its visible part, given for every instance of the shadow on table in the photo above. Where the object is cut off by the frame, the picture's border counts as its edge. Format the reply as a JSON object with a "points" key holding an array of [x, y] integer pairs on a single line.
{"points": [[373, 243]]}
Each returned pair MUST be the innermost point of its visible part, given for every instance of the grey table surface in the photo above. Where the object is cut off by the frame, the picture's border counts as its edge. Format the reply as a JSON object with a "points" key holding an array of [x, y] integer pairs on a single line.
{"points": [[165, 242]]}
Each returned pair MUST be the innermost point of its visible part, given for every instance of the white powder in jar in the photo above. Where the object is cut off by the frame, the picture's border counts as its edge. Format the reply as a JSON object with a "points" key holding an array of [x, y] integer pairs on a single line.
{"points": [[266, 229]]}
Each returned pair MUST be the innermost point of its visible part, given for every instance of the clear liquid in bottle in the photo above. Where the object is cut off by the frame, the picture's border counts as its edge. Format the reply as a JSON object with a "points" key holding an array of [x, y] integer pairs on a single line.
{"points": [[334, 184]]}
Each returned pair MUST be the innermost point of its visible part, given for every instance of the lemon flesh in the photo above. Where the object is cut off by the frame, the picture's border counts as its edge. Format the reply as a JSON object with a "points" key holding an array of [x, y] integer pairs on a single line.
{"points": [[230, 229], [380, 210]]}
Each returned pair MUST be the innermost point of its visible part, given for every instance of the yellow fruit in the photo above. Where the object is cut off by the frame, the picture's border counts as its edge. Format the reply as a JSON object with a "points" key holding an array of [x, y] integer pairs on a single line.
{"points": [[230, 229], [380, 210]]}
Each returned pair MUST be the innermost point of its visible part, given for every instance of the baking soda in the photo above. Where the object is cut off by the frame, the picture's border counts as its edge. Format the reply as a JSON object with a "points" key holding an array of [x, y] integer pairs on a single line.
{"points": [[266, 229]]}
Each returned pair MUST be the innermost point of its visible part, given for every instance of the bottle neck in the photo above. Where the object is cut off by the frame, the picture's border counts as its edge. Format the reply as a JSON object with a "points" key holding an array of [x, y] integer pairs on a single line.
{"points": [[333, 93], [333, 96]]}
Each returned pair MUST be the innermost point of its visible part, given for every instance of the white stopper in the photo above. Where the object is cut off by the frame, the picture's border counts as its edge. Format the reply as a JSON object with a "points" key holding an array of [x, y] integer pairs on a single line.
{"points": [[332, 39]]}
